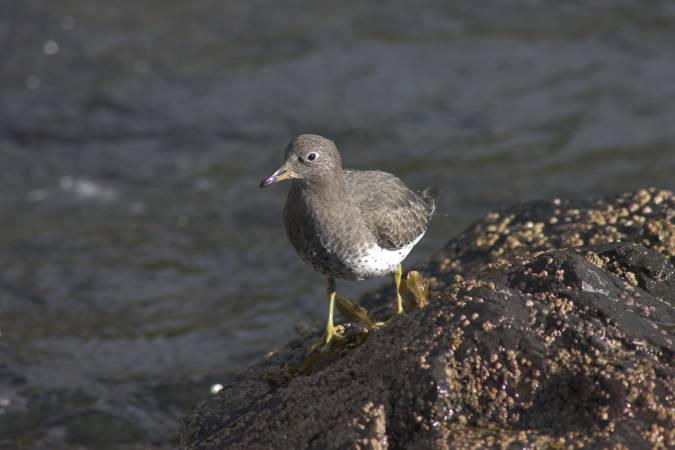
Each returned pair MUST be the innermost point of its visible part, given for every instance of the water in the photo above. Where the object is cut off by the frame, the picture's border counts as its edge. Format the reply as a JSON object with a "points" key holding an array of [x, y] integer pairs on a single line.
{"points": [[141, 263]]}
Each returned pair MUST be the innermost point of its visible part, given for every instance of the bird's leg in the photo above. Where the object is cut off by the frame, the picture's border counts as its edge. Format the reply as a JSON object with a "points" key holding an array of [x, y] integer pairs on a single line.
{"points": [[330, 329], [398, 273], [332, 332]]}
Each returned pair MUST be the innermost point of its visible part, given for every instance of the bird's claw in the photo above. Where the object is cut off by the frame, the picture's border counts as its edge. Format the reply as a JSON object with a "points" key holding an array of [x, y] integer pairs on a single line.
{"points": [[332, 333]]}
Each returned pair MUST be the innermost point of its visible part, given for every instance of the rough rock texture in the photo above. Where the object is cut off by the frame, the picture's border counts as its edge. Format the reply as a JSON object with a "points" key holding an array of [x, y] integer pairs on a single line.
{"points": [[550, 326]]}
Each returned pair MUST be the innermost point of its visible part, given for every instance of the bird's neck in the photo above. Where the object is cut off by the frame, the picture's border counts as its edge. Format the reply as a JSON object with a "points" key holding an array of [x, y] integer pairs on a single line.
{"points": [[327, 190]]}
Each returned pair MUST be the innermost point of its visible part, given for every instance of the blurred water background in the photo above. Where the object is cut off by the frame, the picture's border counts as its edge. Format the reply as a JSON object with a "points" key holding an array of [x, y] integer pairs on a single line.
{"points": [[140, 263]]}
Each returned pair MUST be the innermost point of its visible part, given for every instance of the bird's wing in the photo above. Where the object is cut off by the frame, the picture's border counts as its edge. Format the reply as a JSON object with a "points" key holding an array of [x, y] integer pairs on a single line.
{"points": [[395, 214]]}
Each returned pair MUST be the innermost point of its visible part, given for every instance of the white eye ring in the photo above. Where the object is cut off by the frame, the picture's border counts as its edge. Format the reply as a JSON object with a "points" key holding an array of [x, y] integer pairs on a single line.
{"points": [[312, 156]]}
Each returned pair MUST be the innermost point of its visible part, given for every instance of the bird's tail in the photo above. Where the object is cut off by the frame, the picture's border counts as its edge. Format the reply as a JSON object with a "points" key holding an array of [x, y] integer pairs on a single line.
{"points": [[430, 198]]}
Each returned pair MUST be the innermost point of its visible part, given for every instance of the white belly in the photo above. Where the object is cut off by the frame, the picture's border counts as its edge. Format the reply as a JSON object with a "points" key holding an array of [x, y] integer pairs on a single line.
{"points": [[378, 261]]}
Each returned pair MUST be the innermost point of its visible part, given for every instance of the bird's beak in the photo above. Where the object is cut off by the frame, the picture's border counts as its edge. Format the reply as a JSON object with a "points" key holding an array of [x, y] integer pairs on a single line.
{"points": [[283, 173]]}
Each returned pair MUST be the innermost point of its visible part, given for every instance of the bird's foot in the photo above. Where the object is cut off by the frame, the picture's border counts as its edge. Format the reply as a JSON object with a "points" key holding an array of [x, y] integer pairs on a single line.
{"points": [[332, 333]]}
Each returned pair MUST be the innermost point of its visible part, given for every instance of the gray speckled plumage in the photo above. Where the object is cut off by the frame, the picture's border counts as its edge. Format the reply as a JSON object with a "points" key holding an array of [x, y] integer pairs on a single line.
{"points": [[347, 223]]}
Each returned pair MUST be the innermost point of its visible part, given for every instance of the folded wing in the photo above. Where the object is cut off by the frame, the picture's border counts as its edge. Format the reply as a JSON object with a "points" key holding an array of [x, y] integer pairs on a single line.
{"points": [[395, 214]]}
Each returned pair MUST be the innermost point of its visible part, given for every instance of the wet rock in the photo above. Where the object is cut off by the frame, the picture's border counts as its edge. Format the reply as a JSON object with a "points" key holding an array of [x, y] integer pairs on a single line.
{"points": [[550, 325]]}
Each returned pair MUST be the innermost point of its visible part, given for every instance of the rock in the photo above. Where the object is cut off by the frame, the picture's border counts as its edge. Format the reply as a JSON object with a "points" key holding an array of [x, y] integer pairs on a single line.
{"points": [[550, 325]]}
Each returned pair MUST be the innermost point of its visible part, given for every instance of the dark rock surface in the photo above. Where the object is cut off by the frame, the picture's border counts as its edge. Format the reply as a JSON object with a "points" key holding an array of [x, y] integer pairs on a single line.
{"points": [[550, 325]]}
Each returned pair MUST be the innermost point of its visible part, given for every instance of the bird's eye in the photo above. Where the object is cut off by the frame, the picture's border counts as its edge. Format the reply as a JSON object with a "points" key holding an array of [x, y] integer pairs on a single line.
{"points": [[312, 156]]}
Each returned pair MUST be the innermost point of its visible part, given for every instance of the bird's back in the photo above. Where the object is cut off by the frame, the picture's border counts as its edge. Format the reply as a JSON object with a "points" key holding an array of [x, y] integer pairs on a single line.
{"points": [[396, 215]]}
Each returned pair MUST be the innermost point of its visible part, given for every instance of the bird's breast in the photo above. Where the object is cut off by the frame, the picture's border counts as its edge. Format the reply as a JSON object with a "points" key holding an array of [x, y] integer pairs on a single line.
{"points": [[332, 240]]}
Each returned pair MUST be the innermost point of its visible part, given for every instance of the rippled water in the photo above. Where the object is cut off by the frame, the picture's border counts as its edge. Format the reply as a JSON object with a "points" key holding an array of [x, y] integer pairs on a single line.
{"points": [[141, 263]]}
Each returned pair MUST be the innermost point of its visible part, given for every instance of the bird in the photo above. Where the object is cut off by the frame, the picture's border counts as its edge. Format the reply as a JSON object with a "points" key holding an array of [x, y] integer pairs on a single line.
{"points": [[348, 224]]}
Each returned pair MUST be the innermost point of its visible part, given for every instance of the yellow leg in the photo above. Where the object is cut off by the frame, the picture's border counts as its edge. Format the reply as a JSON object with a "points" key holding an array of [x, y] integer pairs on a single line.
{"points": [[332, 332], [397, 279], [330, 329]]}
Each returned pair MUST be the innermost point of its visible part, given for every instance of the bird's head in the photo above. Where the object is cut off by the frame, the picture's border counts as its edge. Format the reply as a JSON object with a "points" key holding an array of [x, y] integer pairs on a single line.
{"points": [[309, 157]]}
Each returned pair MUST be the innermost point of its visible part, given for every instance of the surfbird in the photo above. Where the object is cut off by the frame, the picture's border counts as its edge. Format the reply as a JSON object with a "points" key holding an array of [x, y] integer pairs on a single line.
{"points": [[348, 224]]}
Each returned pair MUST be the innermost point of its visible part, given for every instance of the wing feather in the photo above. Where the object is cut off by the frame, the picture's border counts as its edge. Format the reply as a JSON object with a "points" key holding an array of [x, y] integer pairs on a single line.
{"points": [[395, 214]]}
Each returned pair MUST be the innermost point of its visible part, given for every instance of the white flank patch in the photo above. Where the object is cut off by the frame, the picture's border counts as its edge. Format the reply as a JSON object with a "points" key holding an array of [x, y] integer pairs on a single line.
{"points": [[379, 261]]}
